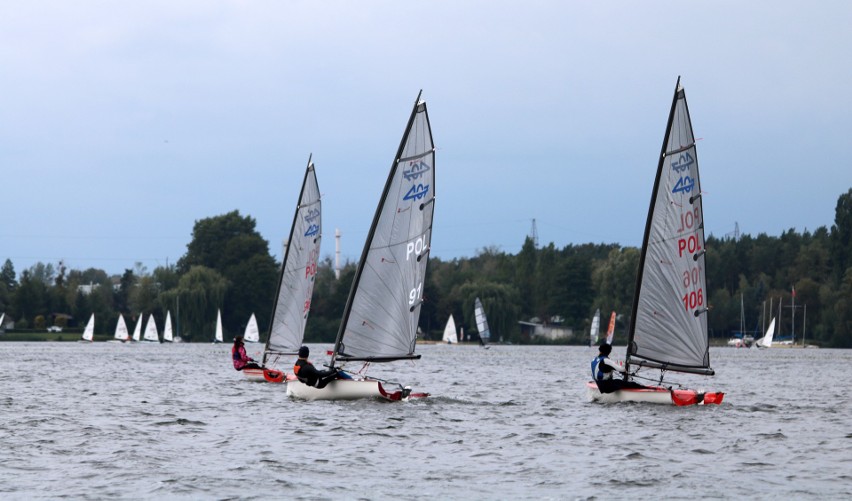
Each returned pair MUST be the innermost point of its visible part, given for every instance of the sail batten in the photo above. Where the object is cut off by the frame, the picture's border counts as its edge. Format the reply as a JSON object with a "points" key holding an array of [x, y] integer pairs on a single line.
{"points": [[381, 315], [667, 329]]}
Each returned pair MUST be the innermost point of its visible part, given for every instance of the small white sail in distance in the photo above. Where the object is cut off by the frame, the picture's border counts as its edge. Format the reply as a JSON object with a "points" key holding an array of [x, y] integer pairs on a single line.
{"points": [[168, 335], [766, 340], [121, 329], [151, 333], [219, 336], [89, 332], [450, 335], [252, 334], [137, 331]]}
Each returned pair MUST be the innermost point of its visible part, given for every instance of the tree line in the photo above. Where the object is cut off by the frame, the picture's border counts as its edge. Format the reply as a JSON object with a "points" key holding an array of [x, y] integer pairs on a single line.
{"points": [[228, 266]]}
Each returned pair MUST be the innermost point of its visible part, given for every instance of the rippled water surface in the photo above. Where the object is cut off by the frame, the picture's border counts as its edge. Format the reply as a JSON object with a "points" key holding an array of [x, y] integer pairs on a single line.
{"points": [[105, 421]]}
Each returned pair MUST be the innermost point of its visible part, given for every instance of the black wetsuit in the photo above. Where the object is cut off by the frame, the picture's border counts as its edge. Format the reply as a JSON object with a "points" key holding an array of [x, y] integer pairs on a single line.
{"points": [[308, 374]]}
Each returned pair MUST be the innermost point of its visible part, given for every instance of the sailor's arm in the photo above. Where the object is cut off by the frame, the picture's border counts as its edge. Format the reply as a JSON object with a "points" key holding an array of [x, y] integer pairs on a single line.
{"points": [[615, 366]]}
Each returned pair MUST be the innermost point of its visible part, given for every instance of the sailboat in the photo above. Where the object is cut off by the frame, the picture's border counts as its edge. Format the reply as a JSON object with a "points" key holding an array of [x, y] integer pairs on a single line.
{"points": [[383, 308], [137, 331], [168, 336], [668, 324], [151, 334], [121, 335], [596, 326], [89, 331], [450, 336], [219, 336], [252, 333], [610, 331], [295, 284], [481, 323], [766, 340]]}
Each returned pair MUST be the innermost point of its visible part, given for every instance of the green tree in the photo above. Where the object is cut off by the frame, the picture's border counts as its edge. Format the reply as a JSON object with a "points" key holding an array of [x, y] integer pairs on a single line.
{"points": [[200, 293], [500, 302], [231, 245], [7, 276], [841, 235]]}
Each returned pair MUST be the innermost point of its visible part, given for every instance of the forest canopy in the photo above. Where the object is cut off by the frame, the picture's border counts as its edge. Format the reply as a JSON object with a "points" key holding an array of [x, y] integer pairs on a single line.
{"points": [[228, 266]]}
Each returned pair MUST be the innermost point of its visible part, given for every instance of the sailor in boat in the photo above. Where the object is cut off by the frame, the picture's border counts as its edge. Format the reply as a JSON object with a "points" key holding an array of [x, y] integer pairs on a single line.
{"points": [[241, 360], [603, 369], [310, 375]]}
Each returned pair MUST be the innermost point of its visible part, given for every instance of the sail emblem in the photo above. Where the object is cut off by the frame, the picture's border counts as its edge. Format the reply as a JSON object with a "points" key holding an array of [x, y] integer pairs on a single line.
{"points": [[312, 230], [417, 169], [684, 184], [416, 192], [683, 162], [312, 215]]}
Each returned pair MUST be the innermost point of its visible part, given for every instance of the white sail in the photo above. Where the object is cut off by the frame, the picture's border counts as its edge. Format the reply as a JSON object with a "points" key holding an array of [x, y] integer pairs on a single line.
{"points": [[168, 335], [121, 329], [450, 335], [298, 272], [669, 321], [2, 317], [252, 334], [766, 340], [219, 336], [151, 333], [610, 331], [89, 331], [383, 309], [481, 321], [137, 331], [596, 326]]}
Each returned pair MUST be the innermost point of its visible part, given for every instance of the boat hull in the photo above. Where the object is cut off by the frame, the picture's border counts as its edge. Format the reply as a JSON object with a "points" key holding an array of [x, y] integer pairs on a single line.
{"points": [[348, 389], [266, 375], [655, 395]]}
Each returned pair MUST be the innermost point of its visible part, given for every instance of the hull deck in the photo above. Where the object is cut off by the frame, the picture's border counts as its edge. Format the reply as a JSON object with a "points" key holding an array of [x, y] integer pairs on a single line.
{"points": [[655, 395]]}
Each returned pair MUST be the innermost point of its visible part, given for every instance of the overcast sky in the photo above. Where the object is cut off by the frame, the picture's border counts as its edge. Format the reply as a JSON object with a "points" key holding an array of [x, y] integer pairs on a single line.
{"points": [[122, 123]]}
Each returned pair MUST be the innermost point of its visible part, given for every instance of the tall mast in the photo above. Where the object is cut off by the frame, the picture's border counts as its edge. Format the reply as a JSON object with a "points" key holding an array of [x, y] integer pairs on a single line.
{"points": [[359, 271]]}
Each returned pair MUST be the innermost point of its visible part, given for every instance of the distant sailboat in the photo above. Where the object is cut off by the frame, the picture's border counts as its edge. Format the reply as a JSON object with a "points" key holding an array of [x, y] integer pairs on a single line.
{"points": [[168, 336], [2, 318], [89, 331], [481, 323], [610, 331], [252, 333], [295, 284], [137, 331], [151, 333], [121, 335], [668, 329], [382, 312], [450, 336], [596, 326], [766, 340], [219, 338]]}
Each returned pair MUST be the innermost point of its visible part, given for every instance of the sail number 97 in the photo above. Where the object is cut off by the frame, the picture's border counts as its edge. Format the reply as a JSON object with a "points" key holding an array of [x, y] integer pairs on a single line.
{"points": [[414, 294], [694, 299]]}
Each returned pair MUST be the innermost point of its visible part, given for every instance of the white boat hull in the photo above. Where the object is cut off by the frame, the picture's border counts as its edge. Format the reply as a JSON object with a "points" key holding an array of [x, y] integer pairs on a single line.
{"points": [[347, 389], [655, 395], [266, 376]]}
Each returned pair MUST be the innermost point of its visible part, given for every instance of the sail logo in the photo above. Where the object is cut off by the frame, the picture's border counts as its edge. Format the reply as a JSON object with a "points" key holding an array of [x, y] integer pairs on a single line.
{"points": [[683, 162], [312, 215], [684, 184], [417, 192], [417, 169], [312, 230]]}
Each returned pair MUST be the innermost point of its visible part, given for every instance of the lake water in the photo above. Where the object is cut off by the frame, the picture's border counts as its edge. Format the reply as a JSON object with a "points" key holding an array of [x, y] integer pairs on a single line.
{"points": [[105, 421]]}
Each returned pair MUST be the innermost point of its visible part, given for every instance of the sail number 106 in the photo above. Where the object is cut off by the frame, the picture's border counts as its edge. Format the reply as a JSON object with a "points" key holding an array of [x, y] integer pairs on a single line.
{"points": [[694, 299]]}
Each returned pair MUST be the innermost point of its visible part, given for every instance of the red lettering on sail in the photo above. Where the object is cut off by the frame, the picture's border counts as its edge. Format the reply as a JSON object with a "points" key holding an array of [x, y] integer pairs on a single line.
{"points": [[689, 245]]}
